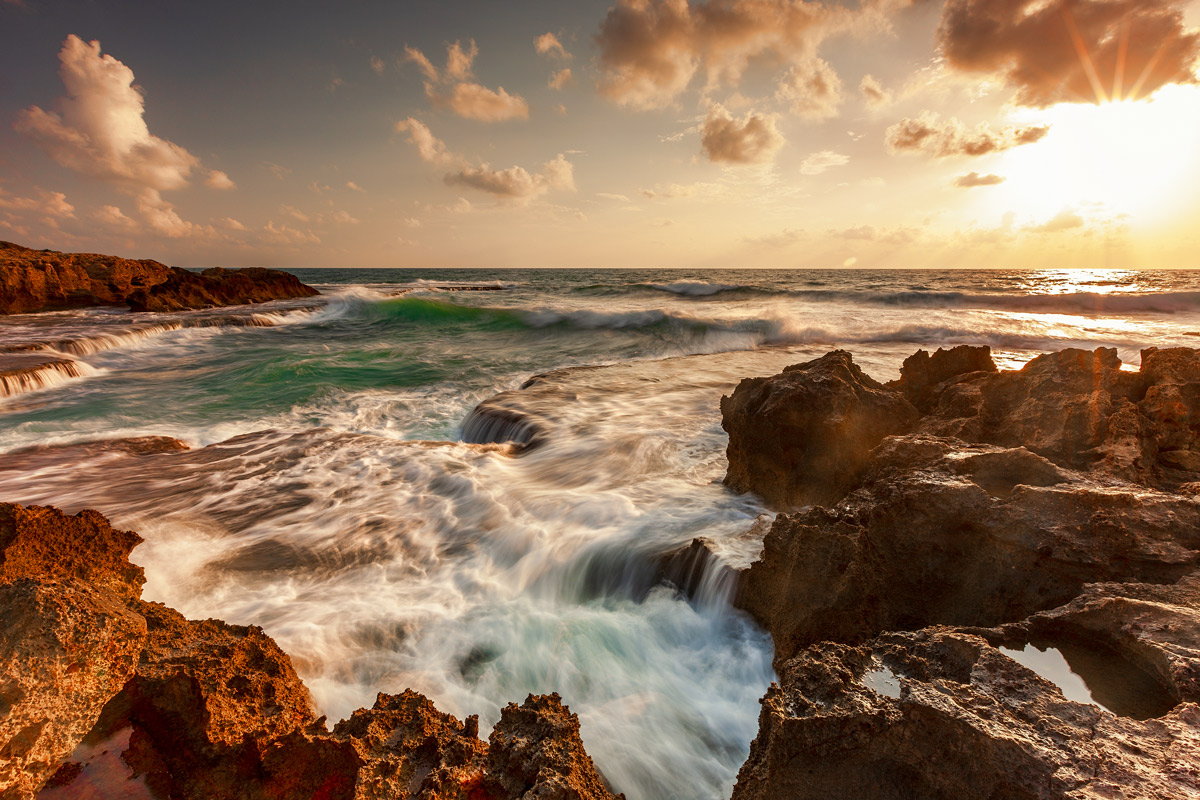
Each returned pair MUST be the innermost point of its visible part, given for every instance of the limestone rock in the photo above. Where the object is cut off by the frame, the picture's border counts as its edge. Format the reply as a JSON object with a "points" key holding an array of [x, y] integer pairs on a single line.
{"points": [[44, 544], [945, 533], [803, 436], [942, 714], [215, 287], [65, 650]]}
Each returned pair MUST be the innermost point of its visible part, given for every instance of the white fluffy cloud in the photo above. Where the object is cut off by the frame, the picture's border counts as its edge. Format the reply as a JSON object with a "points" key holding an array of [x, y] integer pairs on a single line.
{"points": [[812, 90], [549, 45], [873, 92], [49, 204], [430, 148], [100, 130], [454, 87], [754, 139], [516, 183]]}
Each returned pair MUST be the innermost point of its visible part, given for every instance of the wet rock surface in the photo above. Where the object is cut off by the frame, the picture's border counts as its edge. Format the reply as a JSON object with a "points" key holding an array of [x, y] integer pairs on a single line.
{"points": [[47, 280], [1045, 509], [108, 696]]}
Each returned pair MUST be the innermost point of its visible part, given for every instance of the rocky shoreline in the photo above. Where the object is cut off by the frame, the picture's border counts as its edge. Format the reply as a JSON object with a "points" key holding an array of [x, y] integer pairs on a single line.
{"points": [[47, 280], [932, 531], [967, 510]]}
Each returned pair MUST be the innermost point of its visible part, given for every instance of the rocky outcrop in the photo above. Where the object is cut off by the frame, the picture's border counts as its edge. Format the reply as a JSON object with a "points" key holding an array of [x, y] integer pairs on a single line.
{"points": [[1051, 508], [943, 714], [941, 532], [803, 436], [106, 695], [183, 290], [47, 280]]}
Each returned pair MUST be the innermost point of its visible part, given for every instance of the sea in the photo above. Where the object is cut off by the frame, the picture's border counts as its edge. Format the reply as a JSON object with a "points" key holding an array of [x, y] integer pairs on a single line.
{"points": [[341, 491]]}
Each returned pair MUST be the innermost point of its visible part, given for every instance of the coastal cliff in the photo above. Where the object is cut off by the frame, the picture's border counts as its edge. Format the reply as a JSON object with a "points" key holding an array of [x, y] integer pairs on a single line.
{"points": [[106, 695], [47, 280], [1048, 509]]}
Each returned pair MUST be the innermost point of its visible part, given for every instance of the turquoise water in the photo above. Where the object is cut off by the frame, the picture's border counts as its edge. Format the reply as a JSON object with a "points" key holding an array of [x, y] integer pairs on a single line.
{"points": [[327, 495]]}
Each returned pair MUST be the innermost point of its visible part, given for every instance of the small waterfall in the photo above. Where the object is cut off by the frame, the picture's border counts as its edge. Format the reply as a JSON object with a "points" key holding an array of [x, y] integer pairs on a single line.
{"points": [[489, 423], [42, 376]]}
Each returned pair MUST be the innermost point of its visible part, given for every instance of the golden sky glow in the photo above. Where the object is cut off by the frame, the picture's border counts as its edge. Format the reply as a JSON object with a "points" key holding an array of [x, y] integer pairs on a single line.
{"points": [[646, 133]]}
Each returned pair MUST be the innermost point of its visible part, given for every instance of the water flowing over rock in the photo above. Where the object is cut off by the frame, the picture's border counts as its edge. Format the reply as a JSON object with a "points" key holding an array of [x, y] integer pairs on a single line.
{"points": [[803, 436], [1049, 510], [47, 280], [109, 696]]}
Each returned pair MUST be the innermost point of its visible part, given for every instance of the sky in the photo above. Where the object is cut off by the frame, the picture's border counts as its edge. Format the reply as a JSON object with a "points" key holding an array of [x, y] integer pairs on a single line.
{"points": [[637, 133]]}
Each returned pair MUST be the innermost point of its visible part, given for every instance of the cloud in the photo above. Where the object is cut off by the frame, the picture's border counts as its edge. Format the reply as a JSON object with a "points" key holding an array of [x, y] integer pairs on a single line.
{"points": [[813, 90], [282, 234], [114, 217], [294, 213], [163, 219], [100, 129], [354, 187], [473, 101], [1065, 220], [344, 218], [561, 79], [219, 180], [278, 171], [972, 179], [50, 204], [454, 87], [516, 183], [377, 64], [651, 49], [869, 233], [430, 148], [873, 92], [232, 224], [610, 196], [549, 45], [929, 135], [754, 139], [819, 162], [1056, 51]]}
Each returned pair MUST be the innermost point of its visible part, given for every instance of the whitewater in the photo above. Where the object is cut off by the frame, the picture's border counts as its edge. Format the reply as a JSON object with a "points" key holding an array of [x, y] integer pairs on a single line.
{"points": [[342, 491]]}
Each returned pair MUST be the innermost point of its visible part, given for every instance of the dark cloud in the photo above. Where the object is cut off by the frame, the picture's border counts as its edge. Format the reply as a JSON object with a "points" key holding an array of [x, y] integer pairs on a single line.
{"points": [[930, 135], [973, 179], [1055, 51], [753, 139], [651, 49]]}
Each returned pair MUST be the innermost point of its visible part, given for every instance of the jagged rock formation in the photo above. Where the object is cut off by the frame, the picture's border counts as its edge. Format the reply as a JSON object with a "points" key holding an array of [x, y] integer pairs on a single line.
{"points": [[1054, 506], [803, 436], [47, 280], [90, 673]]}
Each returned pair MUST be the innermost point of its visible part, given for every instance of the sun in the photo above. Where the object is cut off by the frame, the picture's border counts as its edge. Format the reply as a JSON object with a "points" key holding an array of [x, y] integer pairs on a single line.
{"points": [[1125, 160]]}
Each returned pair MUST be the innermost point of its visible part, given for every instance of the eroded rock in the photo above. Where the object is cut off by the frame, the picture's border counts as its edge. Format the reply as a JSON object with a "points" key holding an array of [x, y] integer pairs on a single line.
{"points": [[943, 714], [804, 436]]}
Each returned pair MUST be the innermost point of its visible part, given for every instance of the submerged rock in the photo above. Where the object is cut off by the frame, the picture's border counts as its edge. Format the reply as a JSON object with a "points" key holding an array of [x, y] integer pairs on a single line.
{"points": [[803, 436]]}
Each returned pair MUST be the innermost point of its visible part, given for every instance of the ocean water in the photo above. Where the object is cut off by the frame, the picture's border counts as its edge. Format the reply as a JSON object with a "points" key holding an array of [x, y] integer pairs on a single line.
{"points": [[329, 497]]}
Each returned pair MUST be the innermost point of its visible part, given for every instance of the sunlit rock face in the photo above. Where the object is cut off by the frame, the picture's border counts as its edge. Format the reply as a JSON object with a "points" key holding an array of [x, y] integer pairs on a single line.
{"points": [[1050, 512]]}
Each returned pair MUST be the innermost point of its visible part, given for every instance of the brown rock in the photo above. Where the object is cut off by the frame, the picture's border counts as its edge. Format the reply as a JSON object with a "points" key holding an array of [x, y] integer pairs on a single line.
{"points": [[42, 543], [940, 714], [65, 650], [47, 280], [215, 287], [804, 436], [922, 375], [535, 751], [945, 533]]}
